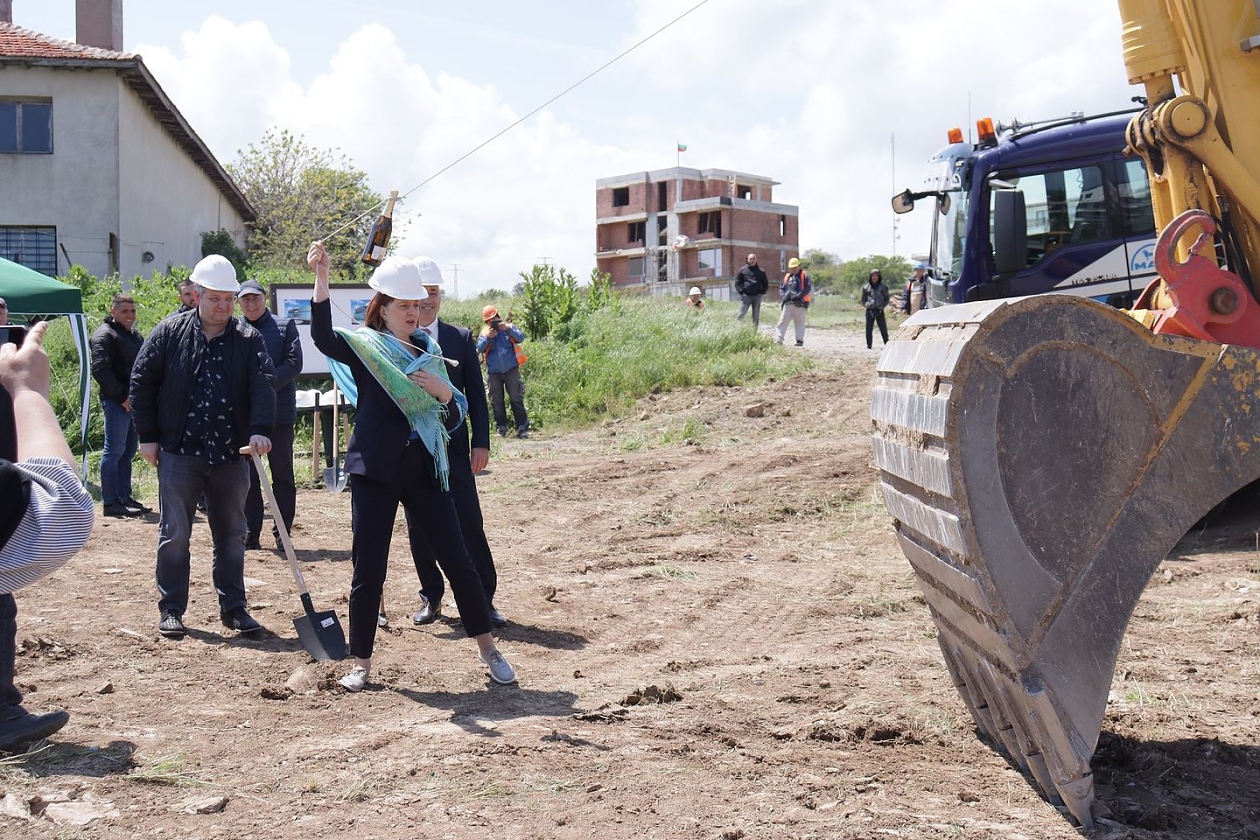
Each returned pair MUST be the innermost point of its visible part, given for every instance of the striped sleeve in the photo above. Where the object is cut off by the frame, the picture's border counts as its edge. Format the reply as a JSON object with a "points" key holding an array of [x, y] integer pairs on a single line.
{"points": [[57, 524]]}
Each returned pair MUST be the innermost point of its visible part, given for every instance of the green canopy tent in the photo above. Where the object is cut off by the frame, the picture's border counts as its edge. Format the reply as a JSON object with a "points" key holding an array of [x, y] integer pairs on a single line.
{"points": [[31, 295]]}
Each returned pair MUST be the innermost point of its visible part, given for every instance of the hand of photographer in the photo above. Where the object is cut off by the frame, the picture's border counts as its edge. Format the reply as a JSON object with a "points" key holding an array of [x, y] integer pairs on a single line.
{"points": [[25, 374]]}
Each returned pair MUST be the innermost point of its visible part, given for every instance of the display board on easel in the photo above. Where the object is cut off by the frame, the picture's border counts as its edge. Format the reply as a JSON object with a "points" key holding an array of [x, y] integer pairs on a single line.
{"points": [[293, 300]]}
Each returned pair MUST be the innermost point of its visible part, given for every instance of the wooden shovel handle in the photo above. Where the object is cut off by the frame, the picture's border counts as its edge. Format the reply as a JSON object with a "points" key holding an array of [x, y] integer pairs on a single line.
{"points": [[265, 483]]}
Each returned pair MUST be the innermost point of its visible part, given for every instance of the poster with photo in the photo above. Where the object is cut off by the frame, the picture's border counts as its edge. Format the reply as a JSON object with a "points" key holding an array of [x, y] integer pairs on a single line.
{"points": [[293, 300]]}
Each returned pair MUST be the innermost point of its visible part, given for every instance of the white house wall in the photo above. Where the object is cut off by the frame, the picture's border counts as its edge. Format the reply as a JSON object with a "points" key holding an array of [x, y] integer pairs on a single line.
{"points": [[75, 188], [166, 200]]}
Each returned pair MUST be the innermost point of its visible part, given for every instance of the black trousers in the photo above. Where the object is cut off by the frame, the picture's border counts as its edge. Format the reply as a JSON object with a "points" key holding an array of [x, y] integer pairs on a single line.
{"points": [[283, 483], [876, 316], [373, 510], [471, 525], [10, 697]]}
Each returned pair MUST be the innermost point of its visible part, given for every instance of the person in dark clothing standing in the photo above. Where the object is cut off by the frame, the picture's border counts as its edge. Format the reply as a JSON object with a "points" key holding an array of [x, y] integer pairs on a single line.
{"points": [[114, 347], [457, 343], [874, 301], [45, 516], [201, 390], [284, 345], [750, 284]]}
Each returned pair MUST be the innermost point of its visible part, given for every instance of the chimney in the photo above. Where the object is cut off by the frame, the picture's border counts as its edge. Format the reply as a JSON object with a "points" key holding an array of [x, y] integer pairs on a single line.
{"points": [[6, 11], [98, 23]]}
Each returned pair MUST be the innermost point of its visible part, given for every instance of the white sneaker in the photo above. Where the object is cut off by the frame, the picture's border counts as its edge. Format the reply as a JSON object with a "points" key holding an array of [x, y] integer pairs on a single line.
{"points": [[500, 669], [355, 680]]}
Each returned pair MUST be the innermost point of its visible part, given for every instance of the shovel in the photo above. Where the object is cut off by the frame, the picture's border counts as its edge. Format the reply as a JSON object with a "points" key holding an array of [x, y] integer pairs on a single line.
{"points": [[335, 476], [319, 632]]}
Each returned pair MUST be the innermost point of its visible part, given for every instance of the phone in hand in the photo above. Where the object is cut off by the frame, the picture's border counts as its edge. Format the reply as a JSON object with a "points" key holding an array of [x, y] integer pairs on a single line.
{"points": [[12, 334]]}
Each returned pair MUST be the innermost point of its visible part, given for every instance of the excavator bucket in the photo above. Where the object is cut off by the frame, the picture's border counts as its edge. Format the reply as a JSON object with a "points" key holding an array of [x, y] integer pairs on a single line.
{"points": [[1040, 456]]}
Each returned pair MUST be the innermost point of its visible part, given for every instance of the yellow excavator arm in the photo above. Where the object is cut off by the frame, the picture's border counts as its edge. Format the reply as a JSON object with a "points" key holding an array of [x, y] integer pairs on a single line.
{"points": [[1040, 456]]}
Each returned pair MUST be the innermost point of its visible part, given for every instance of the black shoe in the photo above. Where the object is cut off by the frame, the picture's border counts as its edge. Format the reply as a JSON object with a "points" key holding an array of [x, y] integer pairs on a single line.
{"points": [[136, 506], [252, 543], [119, 510], [522, 433], [496, 618], [503, 431], [240, 621], [171, 625], [800, 344], [20, 731], [428, 613]]}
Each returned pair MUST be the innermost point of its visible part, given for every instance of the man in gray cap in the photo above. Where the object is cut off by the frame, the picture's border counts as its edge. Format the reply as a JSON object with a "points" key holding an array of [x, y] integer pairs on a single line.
{"points": [[284, 346], [201, 389]]}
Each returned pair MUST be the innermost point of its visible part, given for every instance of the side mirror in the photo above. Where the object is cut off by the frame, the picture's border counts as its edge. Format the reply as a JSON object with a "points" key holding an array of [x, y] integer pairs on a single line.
{"points": [[1010, 232], [944, 204], [903, 203]]}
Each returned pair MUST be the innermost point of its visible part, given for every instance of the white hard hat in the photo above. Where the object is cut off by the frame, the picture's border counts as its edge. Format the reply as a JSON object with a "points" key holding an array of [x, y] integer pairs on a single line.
{"points": [[430, 272], [695, 290], [216, 273], [399, 278]]}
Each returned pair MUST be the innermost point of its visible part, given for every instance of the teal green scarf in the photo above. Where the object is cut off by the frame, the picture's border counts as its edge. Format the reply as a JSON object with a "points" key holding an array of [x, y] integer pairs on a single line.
{"points": [[389, 362]]}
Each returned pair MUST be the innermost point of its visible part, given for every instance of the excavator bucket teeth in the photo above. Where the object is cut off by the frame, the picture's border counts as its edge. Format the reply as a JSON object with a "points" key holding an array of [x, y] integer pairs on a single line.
{"points": [[1040, 456]]}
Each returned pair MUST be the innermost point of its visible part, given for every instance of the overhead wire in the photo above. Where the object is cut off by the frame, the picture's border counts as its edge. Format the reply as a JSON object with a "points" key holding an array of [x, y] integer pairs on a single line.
{"points": [[503, 131]]}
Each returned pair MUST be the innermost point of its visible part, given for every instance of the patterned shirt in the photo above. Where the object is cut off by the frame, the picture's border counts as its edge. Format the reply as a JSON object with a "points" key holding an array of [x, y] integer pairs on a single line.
{"points": [[208, 427]]}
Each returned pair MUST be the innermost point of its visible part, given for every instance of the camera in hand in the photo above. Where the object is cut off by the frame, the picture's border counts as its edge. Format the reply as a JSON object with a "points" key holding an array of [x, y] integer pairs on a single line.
{"points": [[12, 334], [494, 323]]}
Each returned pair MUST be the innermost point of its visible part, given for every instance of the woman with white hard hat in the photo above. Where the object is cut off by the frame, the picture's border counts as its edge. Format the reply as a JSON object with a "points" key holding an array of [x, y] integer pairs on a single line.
{"points": [[406, 410]]}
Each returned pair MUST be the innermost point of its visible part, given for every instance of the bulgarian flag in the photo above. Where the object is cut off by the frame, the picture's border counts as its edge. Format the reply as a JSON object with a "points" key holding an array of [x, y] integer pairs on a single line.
{"points": [[682, 147]]}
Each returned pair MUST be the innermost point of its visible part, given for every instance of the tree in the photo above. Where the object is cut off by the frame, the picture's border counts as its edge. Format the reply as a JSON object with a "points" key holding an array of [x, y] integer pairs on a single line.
{"points": [[302, 193], [894, 271], [824, 270]]}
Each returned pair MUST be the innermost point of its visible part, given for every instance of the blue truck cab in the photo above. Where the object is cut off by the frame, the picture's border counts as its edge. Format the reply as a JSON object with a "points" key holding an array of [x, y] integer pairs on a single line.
{"points": [[1050, 207]]}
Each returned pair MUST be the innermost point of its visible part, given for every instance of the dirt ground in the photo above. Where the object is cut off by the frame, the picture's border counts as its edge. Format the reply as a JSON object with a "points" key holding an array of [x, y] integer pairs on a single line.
{"points": [[716, 637]]}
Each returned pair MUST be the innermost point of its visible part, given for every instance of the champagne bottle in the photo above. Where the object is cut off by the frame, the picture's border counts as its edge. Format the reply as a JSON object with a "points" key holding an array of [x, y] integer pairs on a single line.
{"points": [[378, 240]]}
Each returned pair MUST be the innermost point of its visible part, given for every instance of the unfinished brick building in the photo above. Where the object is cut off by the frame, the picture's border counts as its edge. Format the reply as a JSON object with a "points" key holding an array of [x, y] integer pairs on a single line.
{"points": [[664, 231]]}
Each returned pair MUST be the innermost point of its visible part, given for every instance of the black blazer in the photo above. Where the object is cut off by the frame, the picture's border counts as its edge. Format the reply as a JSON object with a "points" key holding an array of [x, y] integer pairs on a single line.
{"points": [[381, 431], [459, 344]]}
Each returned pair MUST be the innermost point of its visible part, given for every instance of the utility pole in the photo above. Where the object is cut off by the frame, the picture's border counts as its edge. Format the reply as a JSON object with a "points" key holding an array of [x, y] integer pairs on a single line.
{"points": [[455, 271]]}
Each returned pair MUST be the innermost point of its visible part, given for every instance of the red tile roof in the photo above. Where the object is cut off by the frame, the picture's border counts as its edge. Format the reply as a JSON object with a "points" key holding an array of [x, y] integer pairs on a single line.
{"points": [[16, 42]]}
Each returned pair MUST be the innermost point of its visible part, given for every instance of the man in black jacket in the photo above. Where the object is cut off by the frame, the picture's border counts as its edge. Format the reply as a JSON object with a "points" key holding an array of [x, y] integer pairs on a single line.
{"points": [[114, 347], [750, 284], [458, 344], [201, 389], [284, 346]]}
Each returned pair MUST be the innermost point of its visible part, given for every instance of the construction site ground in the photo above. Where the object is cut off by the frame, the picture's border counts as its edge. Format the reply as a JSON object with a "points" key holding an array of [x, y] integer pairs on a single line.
{"points": [[716, 637]]}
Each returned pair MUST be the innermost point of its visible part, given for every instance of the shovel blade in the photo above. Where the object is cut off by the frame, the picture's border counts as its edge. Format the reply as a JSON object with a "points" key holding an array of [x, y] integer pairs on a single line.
{"points": [[334, 479], [321, 635]]}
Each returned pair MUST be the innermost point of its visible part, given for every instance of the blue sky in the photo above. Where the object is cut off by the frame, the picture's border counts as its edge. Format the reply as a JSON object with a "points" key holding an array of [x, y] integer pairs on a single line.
{"points": [[808, 92]]}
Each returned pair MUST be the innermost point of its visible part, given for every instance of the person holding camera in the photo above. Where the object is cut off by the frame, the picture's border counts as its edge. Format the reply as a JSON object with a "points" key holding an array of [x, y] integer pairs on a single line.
{"points": [[45, 515], [499, 346]]}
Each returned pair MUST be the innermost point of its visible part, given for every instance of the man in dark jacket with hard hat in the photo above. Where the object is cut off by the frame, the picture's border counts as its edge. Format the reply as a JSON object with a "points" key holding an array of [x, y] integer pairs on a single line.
{"points": [[201, 390]]}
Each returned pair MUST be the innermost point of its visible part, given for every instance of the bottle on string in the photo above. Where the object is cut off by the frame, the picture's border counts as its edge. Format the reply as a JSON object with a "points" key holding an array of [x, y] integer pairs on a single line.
{"points": [[378, 240]]}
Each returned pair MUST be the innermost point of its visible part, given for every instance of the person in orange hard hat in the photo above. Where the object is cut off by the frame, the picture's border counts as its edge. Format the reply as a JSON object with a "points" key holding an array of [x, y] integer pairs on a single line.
{"points": [[500, 345]]}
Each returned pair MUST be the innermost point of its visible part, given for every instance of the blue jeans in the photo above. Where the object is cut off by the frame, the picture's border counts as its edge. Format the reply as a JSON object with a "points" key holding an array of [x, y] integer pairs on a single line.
{"points": [[182, 480], [121, 444]]}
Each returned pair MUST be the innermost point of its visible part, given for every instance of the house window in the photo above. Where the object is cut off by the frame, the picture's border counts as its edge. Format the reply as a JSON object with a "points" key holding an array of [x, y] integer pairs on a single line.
{"points": [[742, 191], [621, 196], [637, 266], [711, 223], [26, 127], [33, 247], [709, 262], [783, 226], [662, 196], [636, 232]]}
